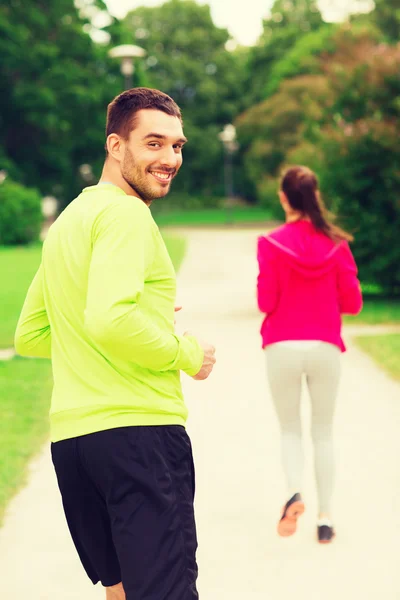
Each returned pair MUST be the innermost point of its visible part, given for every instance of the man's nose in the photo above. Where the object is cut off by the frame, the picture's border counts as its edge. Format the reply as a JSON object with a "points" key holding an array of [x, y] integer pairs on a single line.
{"points": [[170, 158]]}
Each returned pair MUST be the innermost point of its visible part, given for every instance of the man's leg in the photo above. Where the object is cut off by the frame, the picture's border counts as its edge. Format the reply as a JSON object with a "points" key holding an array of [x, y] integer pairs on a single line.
{"points": [[146, 475], [115, 592], [86, 512]]}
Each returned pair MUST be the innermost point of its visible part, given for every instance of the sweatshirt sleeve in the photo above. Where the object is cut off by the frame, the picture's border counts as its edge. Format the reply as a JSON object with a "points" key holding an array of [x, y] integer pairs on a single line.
{"points": [[267, 281], [33, 336], [123, 250], [349, 289]]}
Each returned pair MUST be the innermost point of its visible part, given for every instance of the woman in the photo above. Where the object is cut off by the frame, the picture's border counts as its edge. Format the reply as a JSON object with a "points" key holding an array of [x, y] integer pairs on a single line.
{"points": [[307, 280]]}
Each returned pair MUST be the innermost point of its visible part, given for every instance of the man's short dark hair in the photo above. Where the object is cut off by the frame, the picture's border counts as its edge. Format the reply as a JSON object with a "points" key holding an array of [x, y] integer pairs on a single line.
{"points": [[121, 112]]}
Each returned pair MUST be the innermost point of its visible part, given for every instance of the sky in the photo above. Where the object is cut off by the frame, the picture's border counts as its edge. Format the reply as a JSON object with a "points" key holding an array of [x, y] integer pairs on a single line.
{"points": [[244, 21]]}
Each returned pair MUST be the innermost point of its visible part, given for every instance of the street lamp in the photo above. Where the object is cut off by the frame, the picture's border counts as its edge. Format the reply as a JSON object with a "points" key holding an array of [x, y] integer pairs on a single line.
{"points": [[228, 138], [127, 52]]}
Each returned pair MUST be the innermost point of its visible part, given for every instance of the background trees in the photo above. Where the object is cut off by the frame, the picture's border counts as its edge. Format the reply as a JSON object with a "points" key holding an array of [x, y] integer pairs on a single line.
{"points": [[187, 58], [308, 91]]}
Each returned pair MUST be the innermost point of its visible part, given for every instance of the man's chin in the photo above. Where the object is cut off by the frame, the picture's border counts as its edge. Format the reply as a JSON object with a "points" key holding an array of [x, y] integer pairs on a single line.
{"points": [[161, 193]]}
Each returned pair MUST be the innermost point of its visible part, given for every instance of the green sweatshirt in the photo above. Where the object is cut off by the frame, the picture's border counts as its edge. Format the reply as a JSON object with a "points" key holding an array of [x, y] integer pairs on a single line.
{"points": [[101, 306]]}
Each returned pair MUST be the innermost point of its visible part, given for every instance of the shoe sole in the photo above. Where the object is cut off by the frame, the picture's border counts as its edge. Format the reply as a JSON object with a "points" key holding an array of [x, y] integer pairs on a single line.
{"points": [[327, 541], [288, 525]]}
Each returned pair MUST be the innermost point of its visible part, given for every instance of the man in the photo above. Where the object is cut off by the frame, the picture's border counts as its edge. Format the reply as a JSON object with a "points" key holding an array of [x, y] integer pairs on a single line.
{"points": [[102, 307]]}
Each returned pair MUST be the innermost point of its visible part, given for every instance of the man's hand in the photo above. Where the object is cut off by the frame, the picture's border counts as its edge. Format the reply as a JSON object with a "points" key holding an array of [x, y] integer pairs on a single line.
{"points": [[209, 359]]}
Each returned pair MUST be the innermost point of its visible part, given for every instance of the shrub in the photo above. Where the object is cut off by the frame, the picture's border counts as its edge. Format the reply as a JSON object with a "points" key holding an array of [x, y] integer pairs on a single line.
{"points": [[268, 196], [361, 176], [20, 214]]}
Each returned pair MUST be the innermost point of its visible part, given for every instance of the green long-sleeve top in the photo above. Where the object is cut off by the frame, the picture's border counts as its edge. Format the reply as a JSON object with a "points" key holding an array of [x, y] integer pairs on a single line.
{"points": [[101, 306]]}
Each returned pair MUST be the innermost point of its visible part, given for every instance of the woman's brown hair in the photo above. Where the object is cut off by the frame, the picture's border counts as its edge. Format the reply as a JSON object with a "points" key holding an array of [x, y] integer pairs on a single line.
{"points": [[300, 186]]}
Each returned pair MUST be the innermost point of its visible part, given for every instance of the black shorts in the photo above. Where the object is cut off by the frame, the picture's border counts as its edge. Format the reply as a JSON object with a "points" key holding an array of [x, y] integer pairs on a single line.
{"points": [[128, 498]]}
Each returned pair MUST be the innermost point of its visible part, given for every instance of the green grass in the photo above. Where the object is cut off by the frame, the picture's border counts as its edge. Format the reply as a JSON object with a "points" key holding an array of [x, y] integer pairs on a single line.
{"points": [[212, 216], [385, 350], [25, 399], [377, 312], [17, 268]]}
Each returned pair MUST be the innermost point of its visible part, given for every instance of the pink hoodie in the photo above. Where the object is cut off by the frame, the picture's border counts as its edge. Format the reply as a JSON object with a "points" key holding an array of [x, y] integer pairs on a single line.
{"points": [[306, 282]]}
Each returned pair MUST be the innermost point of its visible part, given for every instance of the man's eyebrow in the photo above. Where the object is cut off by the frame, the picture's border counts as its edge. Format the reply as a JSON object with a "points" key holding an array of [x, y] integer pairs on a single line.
{"points": [[159, 136]]}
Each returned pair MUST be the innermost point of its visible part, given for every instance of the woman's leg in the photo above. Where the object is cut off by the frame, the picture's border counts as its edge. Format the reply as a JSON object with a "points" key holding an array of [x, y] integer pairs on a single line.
{"points": [[323, 375], [284, 371]]}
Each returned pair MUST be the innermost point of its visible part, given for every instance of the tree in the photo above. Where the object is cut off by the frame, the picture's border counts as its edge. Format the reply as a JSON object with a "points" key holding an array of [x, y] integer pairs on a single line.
{"points": [[304, 58], [387, 16], [289, 21], [356, 151], [55, 83], [268, 131], [187, 58]]}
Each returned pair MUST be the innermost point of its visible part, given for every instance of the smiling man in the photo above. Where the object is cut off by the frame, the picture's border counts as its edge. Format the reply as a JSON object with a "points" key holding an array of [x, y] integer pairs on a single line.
{"points": [[101, 306]]}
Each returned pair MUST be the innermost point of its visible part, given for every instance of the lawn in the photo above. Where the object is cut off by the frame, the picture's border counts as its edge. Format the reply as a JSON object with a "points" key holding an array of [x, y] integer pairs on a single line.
{"points": [[384, 349], [377, 312], [25, 398], [213, 216], [26, 383], [17, 268]]}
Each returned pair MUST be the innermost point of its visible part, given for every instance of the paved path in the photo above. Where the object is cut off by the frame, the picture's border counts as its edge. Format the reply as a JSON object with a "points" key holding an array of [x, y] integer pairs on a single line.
{"points": [[240, 486]]}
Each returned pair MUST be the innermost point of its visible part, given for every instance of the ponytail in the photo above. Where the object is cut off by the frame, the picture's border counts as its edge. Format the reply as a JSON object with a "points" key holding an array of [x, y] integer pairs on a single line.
{"points": [[300, 186]]}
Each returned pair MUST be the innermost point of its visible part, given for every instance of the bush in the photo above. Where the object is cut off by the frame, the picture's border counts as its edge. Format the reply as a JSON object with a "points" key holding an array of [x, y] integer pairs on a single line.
{"points": [[20, 214], [361, 176], [268, 196]]}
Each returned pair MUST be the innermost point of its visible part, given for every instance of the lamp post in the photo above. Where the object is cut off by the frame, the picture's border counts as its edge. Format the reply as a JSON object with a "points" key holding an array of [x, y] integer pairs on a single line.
{"points": [[126, 53], [228, 138]]}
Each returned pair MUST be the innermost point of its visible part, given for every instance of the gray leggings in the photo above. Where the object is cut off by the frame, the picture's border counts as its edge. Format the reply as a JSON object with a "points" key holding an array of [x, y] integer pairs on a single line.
{"points": [[321, 367]]}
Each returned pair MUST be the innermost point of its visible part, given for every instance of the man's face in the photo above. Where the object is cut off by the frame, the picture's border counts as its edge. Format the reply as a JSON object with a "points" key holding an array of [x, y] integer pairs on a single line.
{"points": [[153, 154]]}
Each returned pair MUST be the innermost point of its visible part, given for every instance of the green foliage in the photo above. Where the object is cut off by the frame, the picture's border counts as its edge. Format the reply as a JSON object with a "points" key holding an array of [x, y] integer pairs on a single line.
{"points": [[20, 214], [186, 58], [303, 58], [310, 92], [342, 123], [55, 83], [387, 16], [361, 160], [289, 22], [268, 131], [361, 173]]}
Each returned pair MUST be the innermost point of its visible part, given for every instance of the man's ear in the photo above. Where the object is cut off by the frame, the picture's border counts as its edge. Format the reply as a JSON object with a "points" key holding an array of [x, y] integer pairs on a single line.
{"points": [[115, 146]]}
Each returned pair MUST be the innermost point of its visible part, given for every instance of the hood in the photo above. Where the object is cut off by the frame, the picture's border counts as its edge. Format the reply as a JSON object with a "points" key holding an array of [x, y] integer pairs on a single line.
{"points": [[306, 249]]}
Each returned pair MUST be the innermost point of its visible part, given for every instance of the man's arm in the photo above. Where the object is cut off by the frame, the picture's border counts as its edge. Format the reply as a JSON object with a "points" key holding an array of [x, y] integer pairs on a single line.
{"points": [[123, 253], [32, 336]]}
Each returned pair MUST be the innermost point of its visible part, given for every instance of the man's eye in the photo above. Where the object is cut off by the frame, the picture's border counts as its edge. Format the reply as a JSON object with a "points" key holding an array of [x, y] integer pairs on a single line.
{"points": [[178, 146], [155, 144]]}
